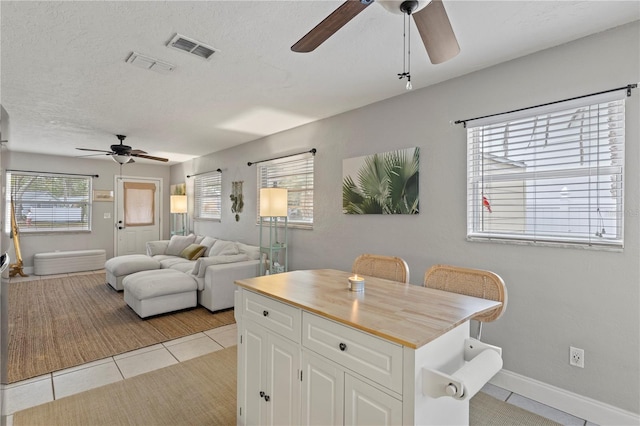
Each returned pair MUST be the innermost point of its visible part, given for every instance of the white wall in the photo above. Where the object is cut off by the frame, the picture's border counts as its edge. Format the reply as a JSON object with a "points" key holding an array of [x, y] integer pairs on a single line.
{"points": [[557, 296], [102, 232]]}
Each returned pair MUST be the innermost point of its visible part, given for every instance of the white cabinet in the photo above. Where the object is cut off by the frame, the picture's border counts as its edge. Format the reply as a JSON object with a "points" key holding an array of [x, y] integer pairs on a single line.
{"points": [[359, 358], [322, 391], [331, 391], [300, 368], [366, 405], [269, 360]]}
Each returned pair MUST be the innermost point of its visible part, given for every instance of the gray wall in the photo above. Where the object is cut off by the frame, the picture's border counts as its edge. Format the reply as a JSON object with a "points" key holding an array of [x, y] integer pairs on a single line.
{"points": [[557, 296], [102, 233]]}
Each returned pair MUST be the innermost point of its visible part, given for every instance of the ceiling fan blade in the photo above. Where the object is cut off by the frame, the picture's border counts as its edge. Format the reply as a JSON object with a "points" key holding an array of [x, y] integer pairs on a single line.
{"points": [[150, 157], [436, 32], [137, 151], [332, 23], [94, 150], [92, 155]]}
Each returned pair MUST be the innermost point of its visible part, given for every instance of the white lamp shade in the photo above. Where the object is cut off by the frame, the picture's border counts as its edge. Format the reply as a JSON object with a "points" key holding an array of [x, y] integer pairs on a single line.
{"points": [[178, 204], [121, 159], [273, 202]]}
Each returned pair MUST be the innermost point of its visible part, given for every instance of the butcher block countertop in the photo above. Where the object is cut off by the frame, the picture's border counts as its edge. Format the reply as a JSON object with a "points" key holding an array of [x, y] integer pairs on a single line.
{"points": [[407, 314]]}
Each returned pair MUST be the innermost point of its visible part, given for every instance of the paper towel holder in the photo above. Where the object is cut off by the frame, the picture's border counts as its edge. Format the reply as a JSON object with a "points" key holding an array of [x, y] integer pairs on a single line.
{"points": [[437, 384]]}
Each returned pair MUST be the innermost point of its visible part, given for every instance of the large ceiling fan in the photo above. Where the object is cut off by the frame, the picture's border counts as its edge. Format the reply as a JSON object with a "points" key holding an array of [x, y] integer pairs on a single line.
{"points": [[124, 153], [430, 18]]}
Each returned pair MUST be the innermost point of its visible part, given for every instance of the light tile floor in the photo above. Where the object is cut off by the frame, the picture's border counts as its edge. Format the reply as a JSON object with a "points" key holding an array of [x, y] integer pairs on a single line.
{"points": [[49, 387]]}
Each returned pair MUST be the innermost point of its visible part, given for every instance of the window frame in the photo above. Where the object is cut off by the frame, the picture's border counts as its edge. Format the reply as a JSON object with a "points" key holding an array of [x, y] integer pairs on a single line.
{"points": [[483, 163], [85, 200], [214, 181], [279, 173]]}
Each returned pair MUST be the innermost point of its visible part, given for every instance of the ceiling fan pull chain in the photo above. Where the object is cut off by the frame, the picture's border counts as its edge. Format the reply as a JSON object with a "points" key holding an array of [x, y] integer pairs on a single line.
{"points": [[408, 18], [406, 52]]}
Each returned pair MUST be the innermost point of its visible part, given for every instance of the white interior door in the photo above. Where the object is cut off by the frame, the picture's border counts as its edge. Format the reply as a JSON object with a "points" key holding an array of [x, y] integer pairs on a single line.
{"points": [[138, 202]]}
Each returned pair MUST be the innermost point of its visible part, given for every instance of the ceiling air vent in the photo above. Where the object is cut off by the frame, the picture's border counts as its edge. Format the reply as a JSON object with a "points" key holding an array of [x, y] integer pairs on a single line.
{"points": [[192, 46], [149, 63]]}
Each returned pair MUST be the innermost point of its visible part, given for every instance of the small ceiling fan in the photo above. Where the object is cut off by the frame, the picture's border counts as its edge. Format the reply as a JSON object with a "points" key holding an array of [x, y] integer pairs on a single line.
{"points": [[430, 18], [124, 154]]}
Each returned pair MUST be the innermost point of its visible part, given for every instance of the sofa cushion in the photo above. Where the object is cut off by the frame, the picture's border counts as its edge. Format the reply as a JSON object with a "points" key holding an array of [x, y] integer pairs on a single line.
{"points": [[184, 267], [156, 247], [223, 248], [193, 251], [177, 243], [208, 242], [171, 261], [203, 263], [252, 251]]}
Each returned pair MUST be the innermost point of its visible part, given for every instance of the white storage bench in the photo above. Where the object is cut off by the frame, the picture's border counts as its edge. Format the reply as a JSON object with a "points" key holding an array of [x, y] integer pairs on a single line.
{"points": [[62, 262]]}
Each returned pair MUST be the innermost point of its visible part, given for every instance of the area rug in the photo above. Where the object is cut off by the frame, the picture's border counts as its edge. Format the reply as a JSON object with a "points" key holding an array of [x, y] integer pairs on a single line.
{"points": [[59, 323], [202, 391]]}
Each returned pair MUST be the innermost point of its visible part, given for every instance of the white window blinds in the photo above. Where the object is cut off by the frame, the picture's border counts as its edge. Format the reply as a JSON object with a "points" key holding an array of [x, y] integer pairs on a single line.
{"points": [[49, 202], [295, 174], [551, 174], [208, 196]]}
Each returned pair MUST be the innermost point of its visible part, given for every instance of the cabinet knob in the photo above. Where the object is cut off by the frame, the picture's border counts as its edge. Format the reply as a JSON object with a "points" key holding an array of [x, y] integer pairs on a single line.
{"points": [[267, 398], [343, 347], [265, 313], [261, 394]]}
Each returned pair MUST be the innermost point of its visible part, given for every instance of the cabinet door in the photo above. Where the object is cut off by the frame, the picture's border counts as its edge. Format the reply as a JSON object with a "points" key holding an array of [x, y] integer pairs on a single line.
{"points": [[322, 391], [254, 347], [283, 381], [366, 405]]}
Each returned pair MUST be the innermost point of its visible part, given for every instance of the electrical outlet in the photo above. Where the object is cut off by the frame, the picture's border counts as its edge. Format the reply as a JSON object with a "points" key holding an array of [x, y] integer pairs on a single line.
{"points": [[576, 357]]}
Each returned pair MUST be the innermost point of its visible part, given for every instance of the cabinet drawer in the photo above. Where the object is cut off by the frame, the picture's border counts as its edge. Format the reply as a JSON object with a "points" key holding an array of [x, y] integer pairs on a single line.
{"points": [[377, 359], [276, 316]]}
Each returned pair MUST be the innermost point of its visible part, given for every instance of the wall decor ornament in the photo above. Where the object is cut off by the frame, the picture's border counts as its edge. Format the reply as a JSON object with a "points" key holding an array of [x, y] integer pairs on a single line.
{"points": [[237, 201], [383, 183]]}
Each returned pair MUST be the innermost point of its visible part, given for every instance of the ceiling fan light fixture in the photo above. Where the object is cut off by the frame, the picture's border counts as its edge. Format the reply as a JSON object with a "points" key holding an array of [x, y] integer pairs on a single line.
{"points": [[121, 158]]}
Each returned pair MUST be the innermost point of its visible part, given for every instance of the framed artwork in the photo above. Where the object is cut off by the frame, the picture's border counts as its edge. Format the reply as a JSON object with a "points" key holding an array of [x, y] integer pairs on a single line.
{"points": [[384, 183], [102, 195]]}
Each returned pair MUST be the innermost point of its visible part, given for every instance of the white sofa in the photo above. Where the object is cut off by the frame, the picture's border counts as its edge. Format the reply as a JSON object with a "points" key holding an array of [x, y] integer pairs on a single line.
{"points": [[215, 271]]}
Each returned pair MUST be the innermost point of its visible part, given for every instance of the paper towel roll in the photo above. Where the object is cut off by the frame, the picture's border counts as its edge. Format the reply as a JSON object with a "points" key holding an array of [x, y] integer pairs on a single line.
{"points": [[476, 373]]}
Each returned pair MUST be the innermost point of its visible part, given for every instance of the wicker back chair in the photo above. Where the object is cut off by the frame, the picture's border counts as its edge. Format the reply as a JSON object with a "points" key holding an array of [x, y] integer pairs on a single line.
{"points": [[387, 267], [471, 282]]}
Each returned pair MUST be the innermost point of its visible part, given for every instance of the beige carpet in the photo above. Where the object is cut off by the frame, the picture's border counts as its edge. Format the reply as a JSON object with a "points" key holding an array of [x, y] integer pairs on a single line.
{"points": [[63, 322], [201, 391]]}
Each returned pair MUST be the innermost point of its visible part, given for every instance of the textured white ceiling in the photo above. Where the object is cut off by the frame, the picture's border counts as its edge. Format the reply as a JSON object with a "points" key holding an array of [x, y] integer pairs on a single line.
{"points": [[66, 84]]}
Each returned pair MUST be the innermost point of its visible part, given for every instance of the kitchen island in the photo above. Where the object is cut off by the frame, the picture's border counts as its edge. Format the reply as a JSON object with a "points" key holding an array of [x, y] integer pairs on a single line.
{"points": [[313, 352]]}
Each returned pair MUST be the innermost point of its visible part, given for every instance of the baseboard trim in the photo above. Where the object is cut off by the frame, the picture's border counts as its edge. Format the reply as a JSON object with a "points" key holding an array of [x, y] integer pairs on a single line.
{"points": [[580, 406]]}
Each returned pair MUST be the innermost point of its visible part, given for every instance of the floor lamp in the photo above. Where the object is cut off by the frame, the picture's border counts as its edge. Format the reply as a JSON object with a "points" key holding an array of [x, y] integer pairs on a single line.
{"points": [[179, 208], [273, 205]]}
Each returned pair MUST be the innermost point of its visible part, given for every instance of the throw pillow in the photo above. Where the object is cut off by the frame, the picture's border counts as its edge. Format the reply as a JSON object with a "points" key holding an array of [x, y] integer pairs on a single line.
{"points": [[223, 248], [177, 243], [252, 251], [193, 251], [156, 247], [203, 263], [208, 242]]}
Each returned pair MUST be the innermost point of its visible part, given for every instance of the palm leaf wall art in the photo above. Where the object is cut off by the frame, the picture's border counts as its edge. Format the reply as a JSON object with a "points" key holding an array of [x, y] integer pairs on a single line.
{"points": [[384, 183]]}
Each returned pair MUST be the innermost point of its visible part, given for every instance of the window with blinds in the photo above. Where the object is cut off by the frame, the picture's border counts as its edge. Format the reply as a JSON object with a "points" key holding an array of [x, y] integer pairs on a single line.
{"points": [[551, 174], [295, 174], [208, 196], [49, 202]]}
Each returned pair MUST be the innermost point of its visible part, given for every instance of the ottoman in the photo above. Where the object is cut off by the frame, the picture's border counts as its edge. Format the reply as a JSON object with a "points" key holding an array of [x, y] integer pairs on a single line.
{"points": [[159, 291], [119, 267]]}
